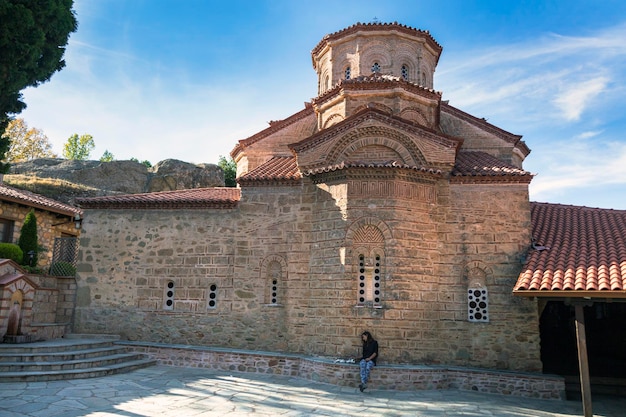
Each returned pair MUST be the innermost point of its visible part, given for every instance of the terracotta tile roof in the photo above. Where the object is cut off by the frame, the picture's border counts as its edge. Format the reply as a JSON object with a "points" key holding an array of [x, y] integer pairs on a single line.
{"points": [[359, 164], [578, 251], [275, 126], [477, 166], [278, 169], [375, 81], [196, 198], [486, 126], [372, 27], [26, 198]]}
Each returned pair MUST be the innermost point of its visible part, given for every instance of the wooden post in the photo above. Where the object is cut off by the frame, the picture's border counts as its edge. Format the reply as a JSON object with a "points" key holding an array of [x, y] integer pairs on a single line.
{"points": [[583, 364]]}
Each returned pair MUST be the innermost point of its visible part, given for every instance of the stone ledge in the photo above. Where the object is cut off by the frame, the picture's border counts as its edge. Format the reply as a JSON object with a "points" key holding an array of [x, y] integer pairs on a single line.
{"points": [[326, 370]]}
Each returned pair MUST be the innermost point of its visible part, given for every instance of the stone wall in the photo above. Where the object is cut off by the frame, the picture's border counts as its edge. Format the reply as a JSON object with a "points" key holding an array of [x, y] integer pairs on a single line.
{"points": [[398, 377], [49, 227], [434, 246]]}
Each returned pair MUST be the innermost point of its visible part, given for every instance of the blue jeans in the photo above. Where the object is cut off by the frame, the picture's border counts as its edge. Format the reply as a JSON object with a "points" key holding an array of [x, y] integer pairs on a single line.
{"points": [[366, 367]]}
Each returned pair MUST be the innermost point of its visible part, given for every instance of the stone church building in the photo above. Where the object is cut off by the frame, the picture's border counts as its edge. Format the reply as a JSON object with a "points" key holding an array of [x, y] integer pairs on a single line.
{"points": [[378, 206]]}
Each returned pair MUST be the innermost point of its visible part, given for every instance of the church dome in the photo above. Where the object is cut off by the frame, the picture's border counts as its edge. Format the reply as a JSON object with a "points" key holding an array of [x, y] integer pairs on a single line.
{"points": [[364, 49]]}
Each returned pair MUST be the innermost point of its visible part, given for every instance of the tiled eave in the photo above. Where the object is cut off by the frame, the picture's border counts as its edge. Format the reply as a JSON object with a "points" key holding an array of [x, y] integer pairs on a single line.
{"points": [[197, 198], [374, 27], [28, 199], [274, 127], [377, 115], [375, 82], [579, 252], [511, 138], [569, 294], [476, 167], [279, 170], [373, 165]]}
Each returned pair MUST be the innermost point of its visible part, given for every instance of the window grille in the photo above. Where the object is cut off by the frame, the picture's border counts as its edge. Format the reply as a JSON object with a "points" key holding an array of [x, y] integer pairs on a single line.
{"points": [[348, 73], [477, 305], [212, 296], [376, 67], [168, 296], [405, 73]]}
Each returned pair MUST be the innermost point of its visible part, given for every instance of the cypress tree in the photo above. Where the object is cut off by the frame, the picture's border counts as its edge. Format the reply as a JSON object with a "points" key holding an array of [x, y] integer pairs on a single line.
{"points": [[28, 239]]}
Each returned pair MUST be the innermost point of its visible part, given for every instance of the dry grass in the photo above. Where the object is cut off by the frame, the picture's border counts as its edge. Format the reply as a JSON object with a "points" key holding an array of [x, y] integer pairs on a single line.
{"points": [[49, 187]]}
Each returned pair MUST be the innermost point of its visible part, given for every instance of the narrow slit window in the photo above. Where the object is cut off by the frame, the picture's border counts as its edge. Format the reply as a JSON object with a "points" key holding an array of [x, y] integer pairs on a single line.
{"points": [[405, 73], [168, 296], [212, 296], [369, 281]]}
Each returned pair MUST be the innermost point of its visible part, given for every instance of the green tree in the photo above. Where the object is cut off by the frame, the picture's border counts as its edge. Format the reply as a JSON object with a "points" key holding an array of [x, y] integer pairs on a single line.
{"points": [[26, 144], [107, 156], [33, 36], [78, 148], [28, 239], [230, 171], [147, 163]]}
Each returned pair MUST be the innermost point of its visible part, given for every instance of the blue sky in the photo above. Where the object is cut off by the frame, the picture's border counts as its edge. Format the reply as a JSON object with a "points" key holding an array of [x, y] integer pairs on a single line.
{"points": [[186, 79]]}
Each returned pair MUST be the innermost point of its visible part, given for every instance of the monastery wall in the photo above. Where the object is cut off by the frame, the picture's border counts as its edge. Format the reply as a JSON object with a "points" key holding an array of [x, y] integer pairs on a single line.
{"points": [[284, 269]]}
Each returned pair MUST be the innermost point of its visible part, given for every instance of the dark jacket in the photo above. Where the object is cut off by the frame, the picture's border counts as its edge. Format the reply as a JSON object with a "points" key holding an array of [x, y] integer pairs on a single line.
{"points": [[370, 348]]}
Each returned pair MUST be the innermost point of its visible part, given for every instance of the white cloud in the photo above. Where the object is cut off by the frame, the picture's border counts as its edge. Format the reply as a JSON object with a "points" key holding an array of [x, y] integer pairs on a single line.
{"points": [[576, 98]]}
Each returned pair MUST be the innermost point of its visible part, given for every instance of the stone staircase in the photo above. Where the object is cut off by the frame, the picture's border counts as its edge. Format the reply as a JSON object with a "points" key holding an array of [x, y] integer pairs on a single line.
{"points": [[73, 357]]}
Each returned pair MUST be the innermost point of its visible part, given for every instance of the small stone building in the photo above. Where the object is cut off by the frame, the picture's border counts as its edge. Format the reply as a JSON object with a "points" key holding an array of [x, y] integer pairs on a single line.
{"points": [[377, 206], [54, 219], [34, 307]]}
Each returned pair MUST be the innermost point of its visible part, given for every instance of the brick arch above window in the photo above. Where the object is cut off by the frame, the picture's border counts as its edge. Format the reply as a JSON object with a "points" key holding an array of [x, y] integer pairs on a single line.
{"points": [[334, 119], [368, 230], [477, 273], [415, 115], [376, 135]]}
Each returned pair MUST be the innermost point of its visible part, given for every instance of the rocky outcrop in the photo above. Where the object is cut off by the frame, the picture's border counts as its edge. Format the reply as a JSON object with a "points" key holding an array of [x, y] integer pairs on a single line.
{"points": [[120, 177]]}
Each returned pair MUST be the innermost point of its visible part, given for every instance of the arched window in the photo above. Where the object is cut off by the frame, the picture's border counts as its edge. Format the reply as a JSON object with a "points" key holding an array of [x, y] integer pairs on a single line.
{"points": [[376, 67], [370, 269], [348, 73], [274, 275], [369, 243], [404, 71]]}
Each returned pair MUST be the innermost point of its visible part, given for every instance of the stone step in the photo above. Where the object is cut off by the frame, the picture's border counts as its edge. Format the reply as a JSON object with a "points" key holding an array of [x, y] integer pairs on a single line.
{"points": [[79, 356], [39, 376], [94, 362], [63, 355], [55, 345], [75, 336]]}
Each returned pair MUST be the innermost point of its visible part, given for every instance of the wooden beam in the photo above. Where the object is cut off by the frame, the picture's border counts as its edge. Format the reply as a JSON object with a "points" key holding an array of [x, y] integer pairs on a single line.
{"points": [[583, 364]]}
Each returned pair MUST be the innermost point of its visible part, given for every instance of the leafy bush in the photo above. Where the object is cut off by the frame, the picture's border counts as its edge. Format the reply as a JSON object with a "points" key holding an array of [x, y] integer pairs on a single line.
{"points": [[11, 251], [62, 269]]}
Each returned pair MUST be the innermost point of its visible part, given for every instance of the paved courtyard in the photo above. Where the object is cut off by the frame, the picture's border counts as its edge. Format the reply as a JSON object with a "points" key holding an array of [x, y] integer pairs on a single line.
{"points": [[181, 392]]}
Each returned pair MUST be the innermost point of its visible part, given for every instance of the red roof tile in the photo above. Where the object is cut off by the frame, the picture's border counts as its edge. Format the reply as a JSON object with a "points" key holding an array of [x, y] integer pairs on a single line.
{"points": [[277, 169], [378, 26], [375, 81], [26, 198], [197, 198], [358, 164], [275, 126], [488, 127], [480, 166], [578, 251]]}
